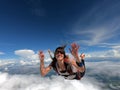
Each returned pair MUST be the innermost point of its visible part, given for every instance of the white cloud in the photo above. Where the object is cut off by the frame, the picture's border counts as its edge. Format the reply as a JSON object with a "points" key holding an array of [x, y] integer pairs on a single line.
{"points": [[25, 82], [1, 53], [114, 53], [109, 53], [106, 68], [111, 45], [114, 50], [27, 54], [97, 35], [116, 46], [24, 52], [34, 82], [6, 62]]}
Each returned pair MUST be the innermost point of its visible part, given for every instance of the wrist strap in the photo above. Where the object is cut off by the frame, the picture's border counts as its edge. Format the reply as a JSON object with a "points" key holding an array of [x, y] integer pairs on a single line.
{"points": [[79, 64]]}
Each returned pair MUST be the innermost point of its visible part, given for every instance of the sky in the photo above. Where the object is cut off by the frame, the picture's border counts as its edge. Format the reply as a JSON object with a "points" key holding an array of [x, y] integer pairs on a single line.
{"points": [[27, 26]]}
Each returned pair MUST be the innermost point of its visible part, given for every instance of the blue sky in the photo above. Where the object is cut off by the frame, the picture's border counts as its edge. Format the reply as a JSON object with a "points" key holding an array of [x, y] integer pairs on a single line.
{"points": [[32, 25]]}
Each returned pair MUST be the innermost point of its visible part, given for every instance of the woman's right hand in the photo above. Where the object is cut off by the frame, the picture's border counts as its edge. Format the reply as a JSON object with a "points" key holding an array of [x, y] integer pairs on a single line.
{"points": [[41, 55]]}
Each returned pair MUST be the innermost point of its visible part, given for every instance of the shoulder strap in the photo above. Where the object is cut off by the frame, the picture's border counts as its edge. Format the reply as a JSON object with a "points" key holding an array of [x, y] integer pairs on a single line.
{"points": [[68, 68]]}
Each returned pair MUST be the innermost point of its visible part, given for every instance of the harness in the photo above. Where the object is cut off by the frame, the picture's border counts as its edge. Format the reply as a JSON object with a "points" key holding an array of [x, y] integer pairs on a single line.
{"points": [[68, 72]]}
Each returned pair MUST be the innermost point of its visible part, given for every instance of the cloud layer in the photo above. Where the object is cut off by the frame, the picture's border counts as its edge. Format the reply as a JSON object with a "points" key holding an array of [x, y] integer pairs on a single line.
{"points": [[30, 70], [33, 82]]}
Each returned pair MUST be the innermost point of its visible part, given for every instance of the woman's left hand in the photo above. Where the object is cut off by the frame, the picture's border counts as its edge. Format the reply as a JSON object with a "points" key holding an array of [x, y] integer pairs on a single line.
{"points": [[74, 49]]}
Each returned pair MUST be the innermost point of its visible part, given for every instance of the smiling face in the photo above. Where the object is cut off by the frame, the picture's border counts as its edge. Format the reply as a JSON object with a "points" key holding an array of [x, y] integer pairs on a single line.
{"points": [[59, 54]]}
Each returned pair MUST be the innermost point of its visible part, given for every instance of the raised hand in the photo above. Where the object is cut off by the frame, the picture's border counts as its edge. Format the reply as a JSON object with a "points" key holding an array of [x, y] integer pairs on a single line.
{"points": [[74, 49], [41, 55], [82, 56]]}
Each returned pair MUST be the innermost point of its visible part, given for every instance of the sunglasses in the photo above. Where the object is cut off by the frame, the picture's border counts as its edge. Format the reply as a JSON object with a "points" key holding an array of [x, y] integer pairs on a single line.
{"points": [[59, 51]]}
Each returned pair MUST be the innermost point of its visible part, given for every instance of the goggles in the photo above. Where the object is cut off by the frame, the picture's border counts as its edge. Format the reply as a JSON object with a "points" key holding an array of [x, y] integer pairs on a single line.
{"points": [[60, 51]]}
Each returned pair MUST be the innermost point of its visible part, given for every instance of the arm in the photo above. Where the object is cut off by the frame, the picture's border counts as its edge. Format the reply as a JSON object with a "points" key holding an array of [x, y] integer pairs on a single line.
{"points": [[43, 70], [79, 68], [72, 62], [74, 51], [78, 63]]}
